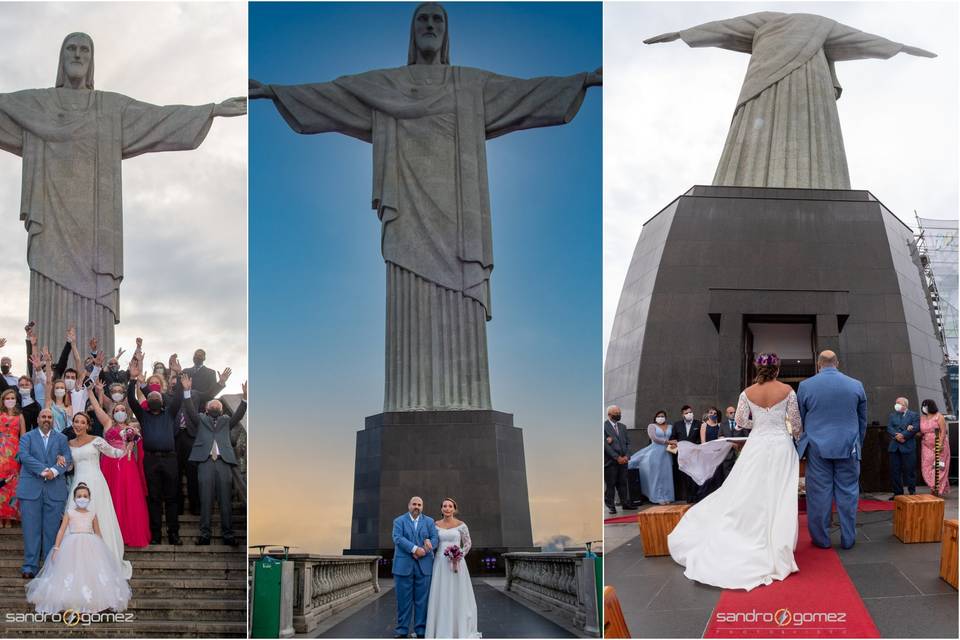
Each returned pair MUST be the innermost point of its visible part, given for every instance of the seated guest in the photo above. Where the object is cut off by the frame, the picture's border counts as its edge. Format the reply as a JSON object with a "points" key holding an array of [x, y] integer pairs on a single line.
{"points": [[932, 426], [903, 426], [686, 429], [213, 452], [653, 462]]}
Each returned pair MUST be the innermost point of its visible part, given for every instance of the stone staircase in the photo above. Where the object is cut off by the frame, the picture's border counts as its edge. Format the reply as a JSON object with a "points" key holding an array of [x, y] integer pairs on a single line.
{"points": [[178, 591]]}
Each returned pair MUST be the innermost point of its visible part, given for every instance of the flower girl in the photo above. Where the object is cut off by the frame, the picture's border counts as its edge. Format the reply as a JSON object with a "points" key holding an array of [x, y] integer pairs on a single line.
{"points": [[80, 572]]}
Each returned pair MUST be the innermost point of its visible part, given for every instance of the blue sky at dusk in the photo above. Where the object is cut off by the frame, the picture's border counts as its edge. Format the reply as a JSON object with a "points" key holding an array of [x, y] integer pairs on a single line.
{"points": [[317, 277]]}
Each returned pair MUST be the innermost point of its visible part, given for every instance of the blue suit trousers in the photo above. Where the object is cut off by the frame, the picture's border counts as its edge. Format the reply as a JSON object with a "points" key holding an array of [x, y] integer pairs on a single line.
{"points": [[413, 592], [828, 481], [40, 521]]}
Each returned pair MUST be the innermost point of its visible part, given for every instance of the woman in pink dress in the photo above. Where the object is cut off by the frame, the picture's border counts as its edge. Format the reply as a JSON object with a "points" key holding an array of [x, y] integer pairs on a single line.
{"points": [[933, 424], [124, 475]]}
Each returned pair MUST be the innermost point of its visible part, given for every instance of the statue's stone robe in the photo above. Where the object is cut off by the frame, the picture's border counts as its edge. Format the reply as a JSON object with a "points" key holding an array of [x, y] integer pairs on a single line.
{"points": [[72, 143], [428, 125], [786, 130]]}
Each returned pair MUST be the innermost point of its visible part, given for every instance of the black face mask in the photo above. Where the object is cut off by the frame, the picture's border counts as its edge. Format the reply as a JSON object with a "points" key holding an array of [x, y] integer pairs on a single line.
{"points": [[155, 405], [5, 369], [214, 414], [615, 417]]}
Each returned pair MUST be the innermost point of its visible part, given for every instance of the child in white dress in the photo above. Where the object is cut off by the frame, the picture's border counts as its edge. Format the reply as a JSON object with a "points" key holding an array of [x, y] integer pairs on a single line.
{"points": [[80, 572]]}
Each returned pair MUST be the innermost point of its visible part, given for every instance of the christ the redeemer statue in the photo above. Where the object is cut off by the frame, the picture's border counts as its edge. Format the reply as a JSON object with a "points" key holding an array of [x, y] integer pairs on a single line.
{"points": [[786, 129], [72, 139], [428, 122]]}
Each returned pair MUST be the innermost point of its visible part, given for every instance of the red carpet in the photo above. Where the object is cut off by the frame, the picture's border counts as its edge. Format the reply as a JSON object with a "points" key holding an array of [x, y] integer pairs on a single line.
{"points": [[622, 519], [819, 601], [863, 506]]}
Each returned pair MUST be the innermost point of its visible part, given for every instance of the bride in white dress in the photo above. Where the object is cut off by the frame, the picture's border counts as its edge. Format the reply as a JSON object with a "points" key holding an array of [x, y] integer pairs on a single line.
{"points": [[452, 607], [86, 450], [744, 534]]}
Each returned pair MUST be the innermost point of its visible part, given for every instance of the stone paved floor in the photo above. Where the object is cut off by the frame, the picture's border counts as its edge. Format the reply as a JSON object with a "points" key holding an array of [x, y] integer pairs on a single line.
{"points": [[898, 582], [498, 617]]}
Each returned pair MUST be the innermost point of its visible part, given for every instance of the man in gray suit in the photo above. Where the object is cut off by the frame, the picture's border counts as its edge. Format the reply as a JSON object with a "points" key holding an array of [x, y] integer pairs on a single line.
{"points": [[214, 455], [616, 449]]}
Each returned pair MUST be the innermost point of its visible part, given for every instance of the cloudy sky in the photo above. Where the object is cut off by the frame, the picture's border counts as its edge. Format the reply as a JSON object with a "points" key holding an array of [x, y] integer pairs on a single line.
{"points": [[317, 304], [184, 212], [667, 108]]}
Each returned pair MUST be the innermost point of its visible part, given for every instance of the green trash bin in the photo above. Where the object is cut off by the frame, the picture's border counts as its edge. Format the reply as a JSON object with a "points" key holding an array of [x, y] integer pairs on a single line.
{"points": [[267, 581], [598, 573]]}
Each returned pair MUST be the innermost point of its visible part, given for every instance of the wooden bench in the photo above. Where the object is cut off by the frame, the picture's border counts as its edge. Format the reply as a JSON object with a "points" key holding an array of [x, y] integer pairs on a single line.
{"points": [[948, 553], [614, 626], [656, 523], [918, 518]]}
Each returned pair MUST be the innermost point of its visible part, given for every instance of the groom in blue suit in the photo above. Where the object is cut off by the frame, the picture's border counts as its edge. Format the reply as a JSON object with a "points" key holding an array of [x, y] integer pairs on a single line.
{"points": [[42, 489], [833, 408], [414, 538]]}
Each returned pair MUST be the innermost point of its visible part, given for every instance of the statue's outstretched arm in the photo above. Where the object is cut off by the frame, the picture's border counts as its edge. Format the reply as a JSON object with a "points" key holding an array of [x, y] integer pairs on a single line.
{"points": [[735, 34], [594, 78], [260, 91], [231, 107], [847, 43]]}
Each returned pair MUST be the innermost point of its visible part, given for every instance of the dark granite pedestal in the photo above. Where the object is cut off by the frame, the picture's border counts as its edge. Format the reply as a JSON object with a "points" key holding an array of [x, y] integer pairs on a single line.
{"points": [[717, 259], [475, 457]]}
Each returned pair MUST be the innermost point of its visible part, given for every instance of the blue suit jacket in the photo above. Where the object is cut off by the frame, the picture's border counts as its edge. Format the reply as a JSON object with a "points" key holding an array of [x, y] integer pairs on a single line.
{"points": [[898, 423], [33, 460], [833, 408], [405, 537]]}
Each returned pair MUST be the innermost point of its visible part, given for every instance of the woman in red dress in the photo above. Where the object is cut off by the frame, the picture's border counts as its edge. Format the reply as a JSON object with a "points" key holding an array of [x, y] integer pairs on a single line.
{"points": [[12, 427], [124, 475]]}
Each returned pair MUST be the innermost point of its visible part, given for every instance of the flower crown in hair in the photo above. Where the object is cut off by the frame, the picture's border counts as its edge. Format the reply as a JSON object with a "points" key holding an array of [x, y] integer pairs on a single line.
{"points": [[767, 360]]}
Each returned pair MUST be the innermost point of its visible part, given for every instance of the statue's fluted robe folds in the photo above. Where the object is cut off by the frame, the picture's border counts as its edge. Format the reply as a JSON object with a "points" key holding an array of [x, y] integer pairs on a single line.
{"points": [[428, 125], [72, 143], [786, 129]]}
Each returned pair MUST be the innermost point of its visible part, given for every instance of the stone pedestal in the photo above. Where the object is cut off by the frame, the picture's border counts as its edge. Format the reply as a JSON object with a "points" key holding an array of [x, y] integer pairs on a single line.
{"points": [[718, 258], [475, 457]]}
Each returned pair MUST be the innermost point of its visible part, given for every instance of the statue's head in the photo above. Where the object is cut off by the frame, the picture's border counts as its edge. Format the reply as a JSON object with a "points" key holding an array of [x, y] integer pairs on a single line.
{"points": [[428, 34], [76, 61]]}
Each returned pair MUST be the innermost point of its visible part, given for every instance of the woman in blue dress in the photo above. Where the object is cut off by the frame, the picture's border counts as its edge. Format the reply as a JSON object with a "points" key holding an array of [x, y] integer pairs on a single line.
{"points": [[653, 462]]}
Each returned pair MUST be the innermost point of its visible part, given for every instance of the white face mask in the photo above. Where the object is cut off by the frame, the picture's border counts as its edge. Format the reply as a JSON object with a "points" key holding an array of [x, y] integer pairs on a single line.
{"points": [[120, 416], [59, 392], [116, 397], [70, 384], [83, 503], [661, 419], [924, 409], [10, 403], [25, 392], [688, 417], [898, 407]]}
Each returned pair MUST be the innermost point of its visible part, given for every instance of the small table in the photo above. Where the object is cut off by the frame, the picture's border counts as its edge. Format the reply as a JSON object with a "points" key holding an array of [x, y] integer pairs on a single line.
{"points": [[656, 523], [918, 518]]}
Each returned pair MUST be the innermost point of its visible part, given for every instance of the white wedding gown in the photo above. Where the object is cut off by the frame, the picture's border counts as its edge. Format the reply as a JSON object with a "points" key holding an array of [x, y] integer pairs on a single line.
{"points": [[452, 607], [744, 534], [86, 469]]}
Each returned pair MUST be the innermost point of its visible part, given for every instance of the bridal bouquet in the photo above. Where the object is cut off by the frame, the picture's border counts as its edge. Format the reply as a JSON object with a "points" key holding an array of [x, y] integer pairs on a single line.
{"points": [[129, 434], [454, 553]]}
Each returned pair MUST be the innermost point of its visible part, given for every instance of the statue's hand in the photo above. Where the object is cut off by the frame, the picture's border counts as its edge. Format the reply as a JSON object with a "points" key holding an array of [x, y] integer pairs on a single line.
{"points": [[663, 37], [231, 107], [917, 51], [595, 78], [258, 90]]}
